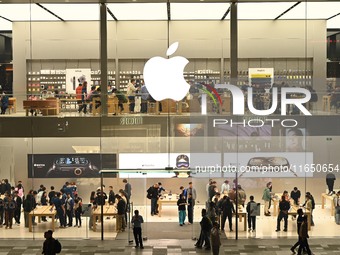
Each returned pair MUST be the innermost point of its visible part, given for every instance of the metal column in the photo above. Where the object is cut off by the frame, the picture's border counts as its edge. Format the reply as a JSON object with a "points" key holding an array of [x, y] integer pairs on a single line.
{"points": [[233, 43], [103, 57]]}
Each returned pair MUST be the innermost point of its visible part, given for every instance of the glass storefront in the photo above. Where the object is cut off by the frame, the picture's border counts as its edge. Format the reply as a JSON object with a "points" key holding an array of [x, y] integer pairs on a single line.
{"points": [[241, 121]]}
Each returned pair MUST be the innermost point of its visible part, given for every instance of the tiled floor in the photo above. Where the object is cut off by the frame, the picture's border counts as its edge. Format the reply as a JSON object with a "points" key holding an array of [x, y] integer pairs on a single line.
{"points": [[325, 227], [170, 247]]}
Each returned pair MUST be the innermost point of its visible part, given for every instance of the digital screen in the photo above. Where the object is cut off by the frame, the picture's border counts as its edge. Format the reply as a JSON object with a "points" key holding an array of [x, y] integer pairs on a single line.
{"points": [[72, 161], [188, 130]]}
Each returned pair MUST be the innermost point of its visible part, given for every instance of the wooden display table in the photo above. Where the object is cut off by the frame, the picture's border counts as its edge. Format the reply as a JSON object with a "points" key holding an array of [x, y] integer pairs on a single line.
{"points": [[108, 210], [112, 106], [242, 214], [293, 211], [166, 199], [325, 197], [12, 105], [50, 106], [40, 211], [64, 102]]}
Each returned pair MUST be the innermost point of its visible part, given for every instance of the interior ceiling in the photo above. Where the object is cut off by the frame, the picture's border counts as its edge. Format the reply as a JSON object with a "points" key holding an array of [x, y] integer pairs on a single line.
{"points": [[71, 10]]}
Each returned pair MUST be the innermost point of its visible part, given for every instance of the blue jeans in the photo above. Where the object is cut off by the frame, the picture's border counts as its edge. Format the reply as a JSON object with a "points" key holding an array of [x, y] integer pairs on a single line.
{"points": [[181, 215]]}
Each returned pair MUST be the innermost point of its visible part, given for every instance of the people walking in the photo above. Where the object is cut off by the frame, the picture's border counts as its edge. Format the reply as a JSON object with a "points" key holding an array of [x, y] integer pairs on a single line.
{"points": [[137, 221]]}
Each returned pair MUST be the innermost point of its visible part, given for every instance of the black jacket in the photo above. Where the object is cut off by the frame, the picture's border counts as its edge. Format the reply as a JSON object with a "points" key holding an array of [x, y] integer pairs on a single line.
{"points": [[206, 224], [227, 207], [153, 192]]}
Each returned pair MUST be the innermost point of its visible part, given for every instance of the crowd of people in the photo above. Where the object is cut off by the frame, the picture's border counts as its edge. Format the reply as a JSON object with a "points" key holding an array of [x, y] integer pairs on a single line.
{"points": [[221, 205]]}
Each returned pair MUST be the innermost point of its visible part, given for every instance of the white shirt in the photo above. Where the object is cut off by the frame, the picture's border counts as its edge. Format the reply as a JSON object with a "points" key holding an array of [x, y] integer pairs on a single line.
{"points": [[130, 89], [225, 188]]}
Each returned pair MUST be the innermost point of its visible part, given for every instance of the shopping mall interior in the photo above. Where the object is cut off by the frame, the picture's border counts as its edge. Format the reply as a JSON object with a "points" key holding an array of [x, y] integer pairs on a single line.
{"points": [[177, 92]]}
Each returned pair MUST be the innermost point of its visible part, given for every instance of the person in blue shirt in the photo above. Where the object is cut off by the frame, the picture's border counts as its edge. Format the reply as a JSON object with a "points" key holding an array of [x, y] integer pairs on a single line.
{"points": [[145, 97], [60, 207]]}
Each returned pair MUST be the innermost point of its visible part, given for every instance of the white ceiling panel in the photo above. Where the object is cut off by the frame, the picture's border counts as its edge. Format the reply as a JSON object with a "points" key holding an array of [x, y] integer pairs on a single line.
{"points": [[75, 11], [313, 10], [334, 22], [5, 25], [24, 12], [139, 11], [198, 11], [261, 10]]}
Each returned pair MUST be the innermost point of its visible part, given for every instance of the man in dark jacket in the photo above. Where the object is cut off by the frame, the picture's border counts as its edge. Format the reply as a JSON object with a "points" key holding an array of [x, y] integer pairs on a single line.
{"points": [[121, 209], [251, 206], [28, 207], [17, 212], [49, 244], [284, 207], [227, 212], [206, 227], [153, 195], [299, 221]]}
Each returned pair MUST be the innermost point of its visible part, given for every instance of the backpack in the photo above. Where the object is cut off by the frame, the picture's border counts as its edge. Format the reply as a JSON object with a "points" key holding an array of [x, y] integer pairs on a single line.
{"points": [[57, 246], [149, 195]]}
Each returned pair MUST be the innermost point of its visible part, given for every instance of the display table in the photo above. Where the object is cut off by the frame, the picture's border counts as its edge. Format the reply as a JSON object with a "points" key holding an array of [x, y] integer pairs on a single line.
{"points": [[166, 199], [325, 197], [64, 102], [242, 214], [112, 106], [50, 106], [293, 211], [12, 105], [40, 211], [108, 210]]}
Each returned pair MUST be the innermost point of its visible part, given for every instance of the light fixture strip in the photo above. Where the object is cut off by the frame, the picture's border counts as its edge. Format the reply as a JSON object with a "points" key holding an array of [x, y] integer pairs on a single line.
{"points": [[333, 16], [289, 9], [6, 19], [111, 14], [226, 14], [44, 8]]}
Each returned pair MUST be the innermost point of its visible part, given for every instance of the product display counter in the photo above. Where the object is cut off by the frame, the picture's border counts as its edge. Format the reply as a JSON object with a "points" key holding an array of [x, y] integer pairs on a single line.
{"points": [[108, 210], [39, 212], [166, 199], [50, 106]]}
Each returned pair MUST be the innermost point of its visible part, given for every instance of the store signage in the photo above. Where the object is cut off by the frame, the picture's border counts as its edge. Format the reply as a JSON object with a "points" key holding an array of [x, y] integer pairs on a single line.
{"points": [[164, 77], [129, 121]]}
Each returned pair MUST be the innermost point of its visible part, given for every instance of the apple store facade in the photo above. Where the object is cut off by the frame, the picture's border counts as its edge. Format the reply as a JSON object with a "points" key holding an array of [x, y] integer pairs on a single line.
{"points": [[240, 94]]}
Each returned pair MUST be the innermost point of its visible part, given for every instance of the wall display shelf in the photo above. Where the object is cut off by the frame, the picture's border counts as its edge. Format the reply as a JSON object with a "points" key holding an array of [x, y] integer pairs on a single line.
{"points": [[96, 79], [210, 77], [126, 76], [295, 72]]}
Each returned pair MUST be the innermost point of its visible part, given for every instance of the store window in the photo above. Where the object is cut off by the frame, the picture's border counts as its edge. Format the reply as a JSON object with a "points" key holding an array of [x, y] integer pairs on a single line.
{"points": [[148, 138]]}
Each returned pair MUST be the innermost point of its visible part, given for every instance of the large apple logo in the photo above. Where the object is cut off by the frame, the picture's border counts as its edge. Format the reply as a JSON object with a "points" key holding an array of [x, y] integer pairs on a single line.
{"points": [[164, 77]]}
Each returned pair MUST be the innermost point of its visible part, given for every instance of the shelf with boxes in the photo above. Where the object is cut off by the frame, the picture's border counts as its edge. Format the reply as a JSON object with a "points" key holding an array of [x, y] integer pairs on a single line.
{"points": [[96, 77], [53, 80], [33, 82], [126, 76], [207, 76]]}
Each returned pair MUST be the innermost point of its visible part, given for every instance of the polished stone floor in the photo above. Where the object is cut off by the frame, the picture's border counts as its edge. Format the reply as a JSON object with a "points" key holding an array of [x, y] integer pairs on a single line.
{"points": [[277, 246]]}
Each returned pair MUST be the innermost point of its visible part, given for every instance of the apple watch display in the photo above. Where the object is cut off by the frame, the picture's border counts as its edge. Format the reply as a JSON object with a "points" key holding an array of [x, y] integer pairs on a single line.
{"points": [[69, 166]]}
